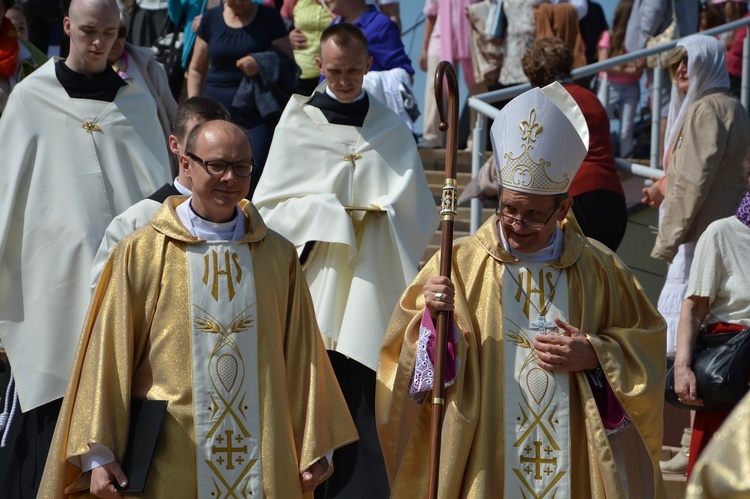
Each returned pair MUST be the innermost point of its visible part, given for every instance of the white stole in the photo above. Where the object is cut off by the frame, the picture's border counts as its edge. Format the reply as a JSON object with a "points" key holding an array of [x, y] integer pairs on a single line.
{"points": [[536, 401], [225, 369]]}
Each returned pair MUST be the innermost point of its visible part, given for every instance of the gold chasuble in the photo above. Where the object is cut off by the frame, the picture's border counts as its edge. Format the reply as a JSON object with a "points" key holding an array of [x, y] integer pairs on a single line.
{"points": [[512, 429], [225, 332]]}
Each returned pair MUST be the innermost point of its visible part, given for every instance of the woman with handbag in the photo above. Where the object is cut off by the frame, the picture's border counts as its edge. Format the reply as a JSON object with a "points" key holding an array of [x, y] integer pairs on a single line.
{"points": [[706, 141], [718, 296]]}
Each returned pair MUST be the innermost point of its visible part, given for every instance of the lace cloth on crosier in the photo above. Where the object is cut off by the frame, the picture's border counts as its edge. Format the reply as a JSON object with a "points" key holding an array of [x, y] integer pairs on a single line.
{"points": [[424, 370], [743, 212]]}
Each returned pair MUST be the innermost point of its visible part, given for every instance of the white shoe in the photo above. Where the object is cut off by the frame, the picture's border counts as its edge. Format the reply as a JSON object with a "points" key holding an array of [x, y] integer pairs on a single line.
{"points": [[679, 463]]}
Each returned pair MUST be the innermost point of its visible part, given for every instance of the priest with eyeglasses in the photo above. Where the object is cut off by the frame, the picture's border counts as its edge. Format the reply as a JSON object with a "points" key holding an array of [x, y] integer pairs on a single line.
{"points": [[554, 372], [207, 309]]}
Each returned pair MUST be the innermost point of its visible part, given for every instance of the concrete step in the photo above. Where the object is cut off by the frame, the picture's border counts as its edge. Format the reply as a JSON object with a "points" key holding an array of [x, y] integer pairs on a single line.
{"points": [[437, 237], [437, 178], [436, 184], [675, 484], [434, 159]]}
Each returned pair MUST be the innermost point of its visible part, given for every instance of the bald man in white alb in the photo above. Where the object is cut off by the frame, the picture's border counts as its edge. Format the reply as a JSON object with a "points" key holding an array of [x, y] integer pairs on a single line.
{"points": [[79, 145]]}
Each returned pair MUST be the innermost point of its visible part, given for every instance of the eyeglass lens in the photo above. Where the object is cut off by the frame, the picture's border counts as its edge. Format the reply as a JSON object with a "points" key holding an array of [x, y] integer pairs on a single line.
{"points": [[219, 167], [526, 224], [241, 169]]}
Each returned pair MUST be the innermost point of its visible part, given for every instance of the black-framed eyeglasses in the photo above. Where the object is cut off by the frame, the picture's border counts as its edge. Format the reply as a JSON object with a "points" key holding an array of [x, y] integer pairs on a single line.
{"points": [[535, 225], [122, 32], [241, 169]]}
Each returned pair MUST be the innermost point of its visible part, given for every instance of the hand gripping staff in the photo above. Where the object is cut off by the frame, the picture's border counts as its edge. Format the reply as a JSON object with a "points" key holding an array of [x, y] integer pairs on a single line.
{"points": [[448, 214]]}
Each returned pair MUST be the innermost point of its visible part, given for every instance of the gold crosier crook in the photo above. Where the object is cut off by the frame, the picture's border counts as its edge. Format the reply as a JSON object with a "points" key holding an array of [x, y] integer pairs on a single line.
{"points": [[445, 71]]}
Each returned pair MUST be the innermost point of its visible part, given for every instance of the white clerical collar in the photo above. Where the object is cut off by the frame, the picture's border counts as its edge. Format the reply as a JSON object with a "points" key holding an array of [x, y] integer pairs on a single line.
{"points": [[550, 253], [183, 190], [332, 95], [211, 231]]}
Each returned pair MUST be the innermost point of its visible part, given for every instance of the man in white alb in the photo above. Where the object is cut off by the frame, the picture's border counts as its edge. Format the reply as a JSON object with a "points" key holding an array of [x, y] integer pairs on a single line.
{"points": [[79, 146], [345, 184]]}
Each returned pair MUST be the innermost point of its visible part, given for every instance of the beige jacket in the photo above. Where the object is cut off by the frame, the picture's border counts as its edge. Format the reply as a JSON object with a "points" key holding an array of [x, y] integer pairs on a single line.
{"points": [[705, 178]]}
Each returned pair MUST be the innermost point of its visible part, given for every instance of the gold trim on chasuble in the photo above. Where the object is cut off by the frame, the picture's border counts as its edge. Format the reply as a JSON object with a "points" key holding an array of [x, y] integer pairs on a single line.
{"points": [[225, 370], [522, 170], [536, 406]]}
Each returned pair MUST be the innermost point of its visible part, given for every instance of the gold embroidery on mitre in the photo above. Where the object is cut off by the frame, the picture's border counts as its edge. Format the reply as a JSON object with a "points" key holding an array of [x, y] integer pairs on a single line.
{"points": [[522, 170]]}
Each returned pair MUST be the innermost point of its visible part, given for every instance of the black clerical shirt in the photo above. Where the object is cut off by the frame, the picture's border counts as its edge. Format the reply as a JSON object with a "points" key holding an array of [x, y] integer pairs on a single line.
{"points": [[102, 86], [164, 192], [340, 113]]}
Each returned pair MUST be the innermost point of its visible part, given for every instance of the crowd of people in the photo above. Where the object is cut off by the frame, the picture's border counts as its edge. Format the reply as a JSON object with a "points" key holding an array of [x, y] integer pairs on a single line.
{"points": [[245, 248]]}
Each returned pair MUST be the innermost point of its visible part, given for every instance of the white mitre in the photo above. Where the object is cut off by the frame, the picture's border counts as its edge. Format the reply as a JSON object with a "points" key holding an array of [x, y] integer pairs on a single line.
{"points": [[540, 140]]}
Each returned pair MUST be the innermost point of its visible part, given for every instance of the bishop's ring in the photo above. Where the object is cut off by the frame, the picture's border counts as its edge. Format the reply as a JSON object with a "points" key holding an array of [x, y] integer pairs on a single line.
{"points": [[439, 296]]}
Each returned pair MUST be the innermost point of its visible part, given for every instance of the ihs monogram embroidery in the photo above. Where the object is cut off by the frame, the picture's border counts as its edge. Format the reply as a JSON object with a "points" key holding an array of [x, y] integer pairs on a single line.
{"points": [[216, 271]]}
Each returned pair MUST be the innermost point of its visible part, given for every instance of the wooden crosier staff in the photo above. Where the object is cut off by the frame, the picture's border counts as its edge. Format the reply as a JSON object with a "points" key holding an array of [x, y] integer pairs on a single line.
{"points": [[448, 214]]}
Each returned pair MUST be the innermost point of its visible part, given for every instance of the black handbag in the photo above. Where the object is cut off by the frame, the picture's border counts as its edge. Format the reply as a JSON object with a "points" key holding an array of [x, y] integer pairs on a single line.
{"points": [[721, 363]]}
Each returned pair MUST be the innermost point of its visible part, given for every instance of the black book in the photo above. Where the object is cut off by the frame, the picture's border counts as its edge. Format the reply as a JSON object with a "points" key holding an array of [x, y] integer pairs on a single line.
{"points": [[146, 418]]}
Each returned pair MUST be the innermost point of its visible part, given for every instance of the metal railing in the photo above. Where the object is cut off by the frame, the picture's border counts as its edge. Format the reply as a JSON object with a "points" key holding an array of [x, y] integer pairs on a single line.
{"points": [[482, 104]]}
